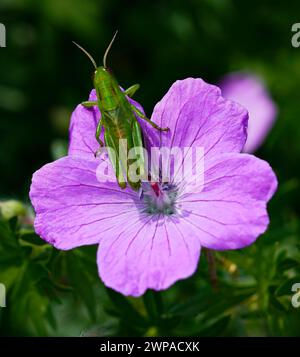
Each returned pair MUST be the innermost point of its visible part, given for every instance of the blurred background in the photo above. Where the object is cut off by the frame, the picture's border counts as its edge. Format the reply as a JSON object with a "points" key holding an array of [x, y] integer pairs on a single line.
{"points": [[43, 76]]}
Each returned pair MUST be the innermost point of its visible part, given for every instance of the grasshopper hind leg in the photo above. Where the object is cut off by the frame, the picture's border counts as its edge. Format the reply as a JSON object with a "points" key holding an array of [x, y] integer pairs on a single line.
{"points": [[115, 160], [142, 116], [138, 144]]}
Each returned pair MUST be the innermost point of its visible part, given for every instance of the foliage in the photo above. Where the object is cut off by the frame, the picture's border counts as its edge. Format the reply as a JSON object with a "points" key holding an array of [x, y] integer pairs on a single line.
{"points": [[43, 77]]}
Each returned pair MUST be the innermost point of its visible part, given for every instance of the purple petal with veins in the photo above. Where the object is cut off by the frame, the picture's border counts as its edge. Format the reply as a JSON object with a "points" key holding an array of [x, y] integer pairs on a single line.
{"points": [[151, 240]]}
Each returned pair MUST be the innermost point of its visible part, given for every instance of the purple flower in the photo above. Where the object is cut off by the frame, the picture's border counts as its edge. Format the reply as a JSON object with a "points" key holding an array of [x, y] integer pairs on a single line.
{"points": [[154, 239], [249, 91]]}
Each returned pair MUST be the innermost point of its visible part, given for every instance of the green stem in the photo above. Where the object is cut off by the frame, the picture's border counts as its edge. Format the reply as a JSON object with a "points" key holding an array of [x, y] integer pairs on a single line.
{"points": [[154, 306], [212, 269]]}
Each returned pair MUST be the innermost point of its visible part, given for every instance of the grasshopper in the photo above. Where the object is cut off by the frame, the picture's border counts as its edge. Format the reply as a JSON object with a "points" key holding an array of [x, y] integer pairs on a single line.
{"points": [[118, 120]]}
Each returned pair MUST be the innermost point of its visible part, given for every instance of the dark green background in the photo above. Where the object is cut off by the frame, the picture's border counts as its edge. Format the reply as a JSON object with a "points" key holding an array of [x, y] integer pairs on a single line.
{"points": [[43, 77]]}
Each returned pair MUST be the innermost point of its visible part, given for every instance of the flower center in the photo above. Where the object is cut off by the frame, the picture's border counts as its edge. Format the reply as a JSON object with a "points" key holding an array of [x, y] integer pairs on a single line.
{"points": [[159, 197]]}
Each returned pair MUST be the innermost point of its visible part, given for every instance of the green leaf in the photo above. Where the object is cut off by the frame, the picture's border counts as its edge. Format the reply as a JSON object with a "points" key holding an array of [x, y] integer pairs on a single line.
{"points": [[32, 238], [286, 264], [286, 287], [213, 304], [125, 310], [81, 282], [216, 328]]}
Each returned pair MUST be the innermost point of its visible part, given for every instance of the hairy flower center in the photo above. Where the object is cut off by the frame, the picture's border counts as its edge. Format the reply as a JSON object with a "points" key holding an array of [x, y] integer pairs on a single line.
{"points": [[159, 198]]}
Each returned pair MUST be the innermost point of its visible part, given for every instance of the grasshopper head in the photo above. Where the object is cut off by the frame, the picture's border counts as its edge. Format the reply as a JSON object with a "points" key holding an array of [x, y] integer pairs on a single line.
{"points": [[102, 75]]}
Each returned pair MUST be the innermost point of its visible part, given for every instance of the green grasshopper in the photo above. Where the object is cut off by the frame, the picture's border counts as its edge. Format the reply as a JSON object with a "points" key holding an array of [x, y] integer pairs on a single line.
{"points": [[117, 119]]}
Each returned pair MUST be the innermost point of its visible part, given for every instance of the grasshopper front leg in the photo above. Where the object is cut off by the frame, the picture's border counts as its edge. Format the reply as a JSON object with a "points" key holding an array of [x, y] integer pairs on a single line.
{"points": [[142, 116], [131, 90], [89, 104], [97, 136]]}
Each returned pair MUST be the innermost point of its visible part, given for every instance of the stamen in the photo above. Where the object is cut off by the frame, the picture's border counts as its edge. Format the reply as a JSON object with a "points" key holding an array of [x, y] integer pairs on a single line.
{"points": [[159, 198], [155, 188]]}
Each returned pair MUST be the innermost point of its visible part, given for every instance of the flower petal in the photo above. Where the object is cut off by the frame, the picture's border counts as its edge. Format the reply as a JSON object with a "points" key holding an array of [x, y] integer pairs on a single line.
{"points": [[72, 207], [83, 128], [230, 212], [249, 91], [198, 115], [148, 253]]}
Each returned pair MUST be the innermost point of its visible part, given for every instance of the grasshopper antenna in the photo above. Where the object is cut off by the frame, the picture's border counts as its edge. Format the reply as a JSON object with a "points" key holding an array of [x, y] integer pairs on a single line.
{"points": [[86, 52], [107, 50]]}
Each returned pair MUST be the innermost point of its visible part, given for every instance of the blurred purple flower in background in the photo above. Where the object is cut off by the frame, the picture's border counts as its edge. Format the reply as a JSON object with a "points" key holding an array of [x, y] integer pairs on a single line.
{"points": [[249, 91], [154, 239]]}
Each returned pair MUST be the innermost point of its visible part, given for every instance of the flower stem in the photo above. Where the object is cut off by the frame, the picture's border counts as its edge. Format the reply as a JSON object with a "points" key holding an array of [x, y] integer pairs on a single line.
{"points": [[211, 261], [154, 305]]}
